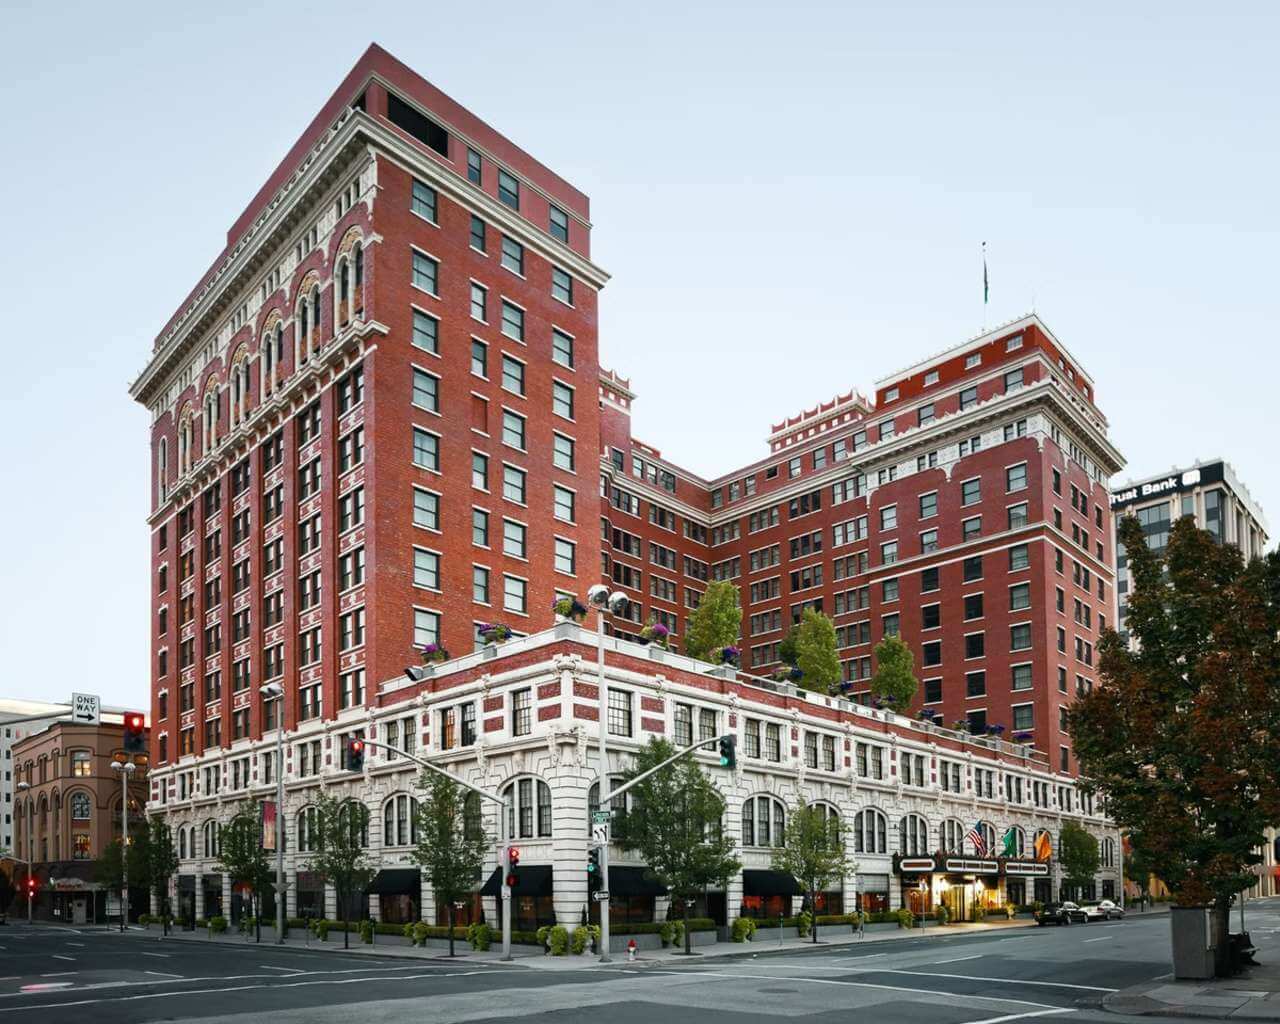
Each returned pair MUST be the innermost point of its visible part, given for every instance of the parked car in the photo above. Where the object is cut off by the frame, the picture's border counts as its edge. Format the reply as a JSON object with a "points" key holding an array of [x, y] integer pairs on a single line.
{"points": [[1103, 910], [1061, 913]]}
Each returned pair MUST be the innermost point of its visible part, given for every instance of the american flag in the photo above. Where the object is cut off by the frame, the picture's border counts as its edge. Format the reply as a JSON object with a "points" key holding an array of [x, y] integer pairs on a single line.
{"points": [[974, 835]]}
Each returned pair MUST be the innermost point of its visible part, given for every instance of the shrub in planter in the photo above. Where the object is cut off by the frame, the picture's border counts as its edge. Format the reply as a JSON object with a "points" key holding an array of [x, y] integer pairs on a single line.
{"points": [[906, 919], [407, 931], [804, 921], [1010, 911], [217, 925], [320, 929], [942, 915], [420, 932], [366, 932], [480, 935], [248, 922], [677, 933], [655, 633], [743, 929], [558, 939], [201, 923], [433, 654], [979, 912], [581, 936], [667, 932], [493, 632], [728, 655], [544, 938], [570, 608]]}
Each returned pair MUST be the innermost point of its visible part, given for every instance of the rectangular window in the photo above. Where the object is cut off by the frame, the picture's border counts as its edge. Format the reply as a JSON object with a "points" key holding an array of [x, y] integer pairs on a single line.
{"points": [[423, 202], [425, 271], [619, 712], [1019, 557], [513, 484], [512, 374], [928, 505], [426, 569], [480, 527], [515, 594], [479, 302], [479, 358], [513, 255], [561, 286], [1023, 717], [562, 456], [1015, 478], [480, 584], [968, 398], [426, 332], [426, 509], [566, 560], [559, 224], [512, 321], [426, 390], [508, 190], [563, 503], [975, 645], [975, 684], [479, 234], [522, 712], [513, 432], [1017, 516], [514, 538], [426, 627], [1020, 597], [1021, 677], [971, 491], [562, 399], [1013, 379], [1020, 637], [562, 348], [426, 449], [932, 654], [474, 165]]}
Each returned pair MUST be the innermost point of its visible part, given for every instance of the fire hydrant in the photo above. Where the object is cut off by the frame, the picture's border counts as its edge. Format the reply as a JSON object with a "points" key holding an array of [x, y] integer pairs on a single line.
{"points": [[631, 949]]}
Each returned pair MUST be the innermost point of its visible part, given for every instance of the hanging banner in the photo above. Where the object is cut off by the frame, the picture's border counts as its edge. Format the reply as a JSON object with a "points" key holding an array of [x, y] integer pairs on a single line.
{"points": [[268, 825]]}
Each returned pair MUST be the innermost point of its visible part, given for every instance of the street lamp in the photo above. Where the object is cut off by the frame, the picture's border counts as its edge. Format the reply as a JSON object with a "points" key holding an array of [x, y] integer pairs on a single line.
{"points": [[601, 600], [125, 768], [24, 786], [274, 691]]}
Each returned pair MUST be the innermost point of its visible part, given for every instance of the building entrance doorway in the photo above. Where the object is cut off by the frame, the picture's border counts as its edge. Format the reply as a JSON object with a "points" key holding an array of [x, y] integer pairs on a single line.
{"points": [[956, 900]]}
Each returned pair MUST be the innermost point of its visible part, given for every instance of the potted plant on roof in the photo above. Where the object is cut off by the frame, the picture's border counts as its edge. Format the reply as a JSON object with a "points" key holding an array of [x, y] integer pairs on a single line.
{"points": [[727, 655], [1025, 738], [961, 725], [493, 633], [657, 634], [570, 609], [927, 717]]}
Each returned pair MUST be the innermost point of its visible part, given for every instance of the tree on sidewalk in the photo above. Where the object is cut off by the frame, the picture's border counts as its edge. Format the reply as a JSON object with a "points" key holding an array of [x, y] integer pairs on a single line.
{"points": [[1179, 736], [894, 680], [676, 824], [1078, 855], [816, 652], [107, 869], [716, 622], [342, 831], [813, 852], [451, 840], [242, 857], [7, 891], [162, 863]]}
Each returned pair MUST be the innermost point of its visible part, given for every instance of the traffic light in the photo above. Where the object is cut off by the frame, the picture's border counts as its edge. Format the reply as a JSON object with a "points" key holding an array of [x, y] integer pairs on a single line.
{"points": [[728, 751], [32, 885], [135, 733], [593, 862], [355, 754], [513, 863]]}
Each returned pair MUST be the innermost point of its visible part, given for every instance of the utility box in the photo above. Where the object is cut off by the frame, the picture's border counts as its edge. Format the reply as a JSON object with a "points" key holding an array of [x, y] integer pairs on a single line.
{"points": [[1192, 950]]}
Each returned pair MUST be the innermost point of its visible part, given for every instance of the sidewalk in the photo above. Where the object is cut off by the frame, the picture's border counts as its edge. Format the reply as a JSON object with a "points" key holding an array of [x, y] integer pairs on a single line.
{"points": [[1252, 995], [765, 942]]}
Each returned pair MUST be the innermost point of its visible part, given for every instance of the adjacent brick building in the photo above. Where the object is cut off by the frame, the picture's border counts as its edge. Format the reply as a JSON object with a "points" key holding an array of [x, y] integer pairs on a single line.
{"points": [[380, 421]]}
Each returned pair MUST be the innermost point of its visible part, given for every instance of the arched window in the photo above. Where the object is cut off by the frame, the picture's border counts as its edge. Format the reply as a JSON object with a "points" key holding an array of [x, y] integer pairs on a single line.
{"points": [[1019, 840], [354, 817], [1108, 852], [593, 800], [951, 836], [182, 844], [913, 836], [870, 832], [184, 441], [212, 839], [313, 340], [81, 807], [988, 832], [308, 830], [162, 468], [528, 803], [764, 822], [357, 260], [472, 817], [210, 420], [344, 289], [400, 821]]}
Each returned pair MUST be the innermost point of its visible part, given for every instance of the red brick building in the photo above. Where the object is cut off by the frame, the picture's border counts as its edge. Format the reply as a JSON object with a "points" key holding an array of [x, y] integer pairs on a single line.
{"points": [[377, 421]]}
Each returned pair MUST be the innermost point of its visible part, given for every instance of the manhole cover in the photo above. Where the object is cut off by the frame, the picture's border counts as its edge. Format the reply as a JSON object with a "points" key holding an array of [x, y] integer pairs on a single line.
{"points": [[779, 991]]}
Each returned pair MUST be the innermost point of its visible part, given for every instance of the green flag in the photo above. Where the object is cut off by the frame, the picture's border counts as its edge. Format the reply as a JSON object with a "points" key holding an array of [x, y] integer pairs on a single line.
{"points": [[1010, 841], [986, 287]]}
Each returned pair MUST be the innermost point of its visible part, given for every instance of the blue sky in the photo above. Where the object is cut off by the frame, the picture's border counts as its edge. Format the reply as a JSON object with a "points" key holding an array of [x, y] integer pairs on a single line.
{"points": [[791, 199]]}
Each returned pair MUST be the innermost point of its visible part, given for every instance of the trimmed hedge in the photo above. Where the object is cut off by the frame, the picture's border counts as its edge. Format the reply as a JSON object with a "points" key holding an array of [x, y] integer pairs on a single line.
{"points": [[696, 924]]}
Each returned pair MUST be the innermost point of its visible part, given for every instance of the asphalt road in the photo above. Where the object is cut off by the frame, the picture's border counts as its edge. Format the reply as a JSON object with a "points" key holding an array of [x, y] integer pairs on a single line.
{"points": [[54, 974]]}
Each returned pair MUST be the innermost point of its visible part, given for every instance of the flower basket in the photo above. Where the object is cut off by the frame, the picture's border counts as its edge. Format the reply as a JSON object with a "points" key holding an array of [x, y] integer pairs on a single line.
{"points": [[494, 632], [1022, 737], [570, 608], [961, 725], [995, 730], [728, 655], [656, 633], [789, 674], [433, 654]]}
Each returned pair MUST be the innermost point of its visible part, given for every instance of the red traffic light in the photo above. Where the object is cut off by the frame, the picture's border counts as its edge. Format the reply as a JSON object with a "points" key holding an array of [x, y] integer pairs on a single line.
{"points": [[31, 884], [357, 746], [513, 856], [133, 720]]}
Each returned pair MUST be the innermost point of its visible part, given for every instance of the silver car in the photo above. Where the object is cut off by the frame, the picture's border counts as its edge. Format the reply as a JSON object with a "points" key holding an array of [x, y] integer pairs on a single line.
{"points": [[1102, 910]]}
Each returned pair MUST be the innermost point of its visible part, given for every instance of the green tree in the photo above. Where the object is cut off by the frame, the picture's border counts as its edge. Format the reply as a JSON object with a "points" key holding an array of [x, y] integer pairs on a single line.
{"points": [[1078, 855], [813, 852], [816, 652], [342, 829], [716, 622], [675, 823], [895, 678], [451, 840], [787, 648], [7, 891], [1179, 736], [107, 868], [1138, 870], [162, 863], [243, 858]]}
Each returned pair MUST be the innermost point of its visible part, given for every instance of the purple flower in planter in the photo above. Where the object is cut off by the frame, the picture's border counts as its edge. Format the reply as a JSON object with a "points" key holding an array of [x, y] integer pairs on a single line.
{"points": [[1022, 736], [728, 655], [660, 631], [434, 652], [995, 730]]}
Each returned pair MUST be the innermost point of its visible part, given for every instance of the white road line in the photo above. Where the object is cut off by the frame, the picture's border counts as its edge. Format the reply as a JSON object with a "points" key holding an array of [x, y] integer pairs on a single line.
{"points": [[1003, 981], [248, 988], [162, 974], [854, 959], [60, 974], [869, 984], [291, 970], [163, 956], [1100, 938], [59, 956], [80, 944], [1020, 1016], [957, 959]]}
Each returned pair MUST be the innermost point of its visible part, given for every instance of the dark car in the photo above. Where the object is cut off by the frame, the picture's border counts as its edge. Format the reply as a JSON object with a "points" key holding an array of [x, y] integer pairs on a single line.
{"points": [[1061, 913]]}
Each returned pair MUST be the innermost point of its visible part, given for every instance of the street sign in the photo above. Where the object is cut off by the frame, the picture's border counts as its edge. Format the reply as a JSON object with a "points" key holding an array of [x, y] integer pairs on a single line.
{"points": [[600, 895], [600, 833], [601, 817], [86, 708]]}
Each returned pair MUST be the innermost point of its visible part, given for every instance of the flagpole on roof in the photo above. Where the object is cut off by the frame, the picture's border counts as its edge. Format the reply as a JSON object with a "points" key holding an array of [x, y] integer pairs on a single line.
{"points": [[986, 288]]}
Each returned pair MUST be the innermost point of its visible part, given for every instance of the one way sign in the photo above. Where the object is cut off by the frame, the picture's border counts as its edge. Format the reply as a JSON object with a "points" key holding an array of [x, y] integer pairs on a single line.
{"points": [[86, 709]]}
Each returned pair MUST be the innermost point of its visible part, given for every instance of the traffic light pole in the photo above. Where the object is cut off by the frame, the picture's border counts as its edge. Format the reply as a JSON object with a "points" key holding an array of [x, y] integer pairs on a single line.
{"points": [[502, 829], [603, 723], [124, 846], [671, 760]]}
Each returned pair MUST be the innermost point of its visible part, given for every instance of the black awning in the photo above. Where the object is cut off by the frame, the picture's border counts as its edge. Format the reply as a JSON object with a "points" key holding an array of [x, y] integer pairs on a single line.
{"points": [[212, 881], [769, 883], [396, 882], [531, 880], [186, 883], [631, 881], [79, 869]]}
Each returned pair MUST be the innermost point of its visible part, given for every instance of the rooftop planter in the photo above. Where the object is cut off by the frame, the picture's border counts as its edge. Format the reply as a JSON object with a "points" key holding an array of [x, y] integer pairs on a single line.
{"points": [[657, 634], [570, 609]]}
